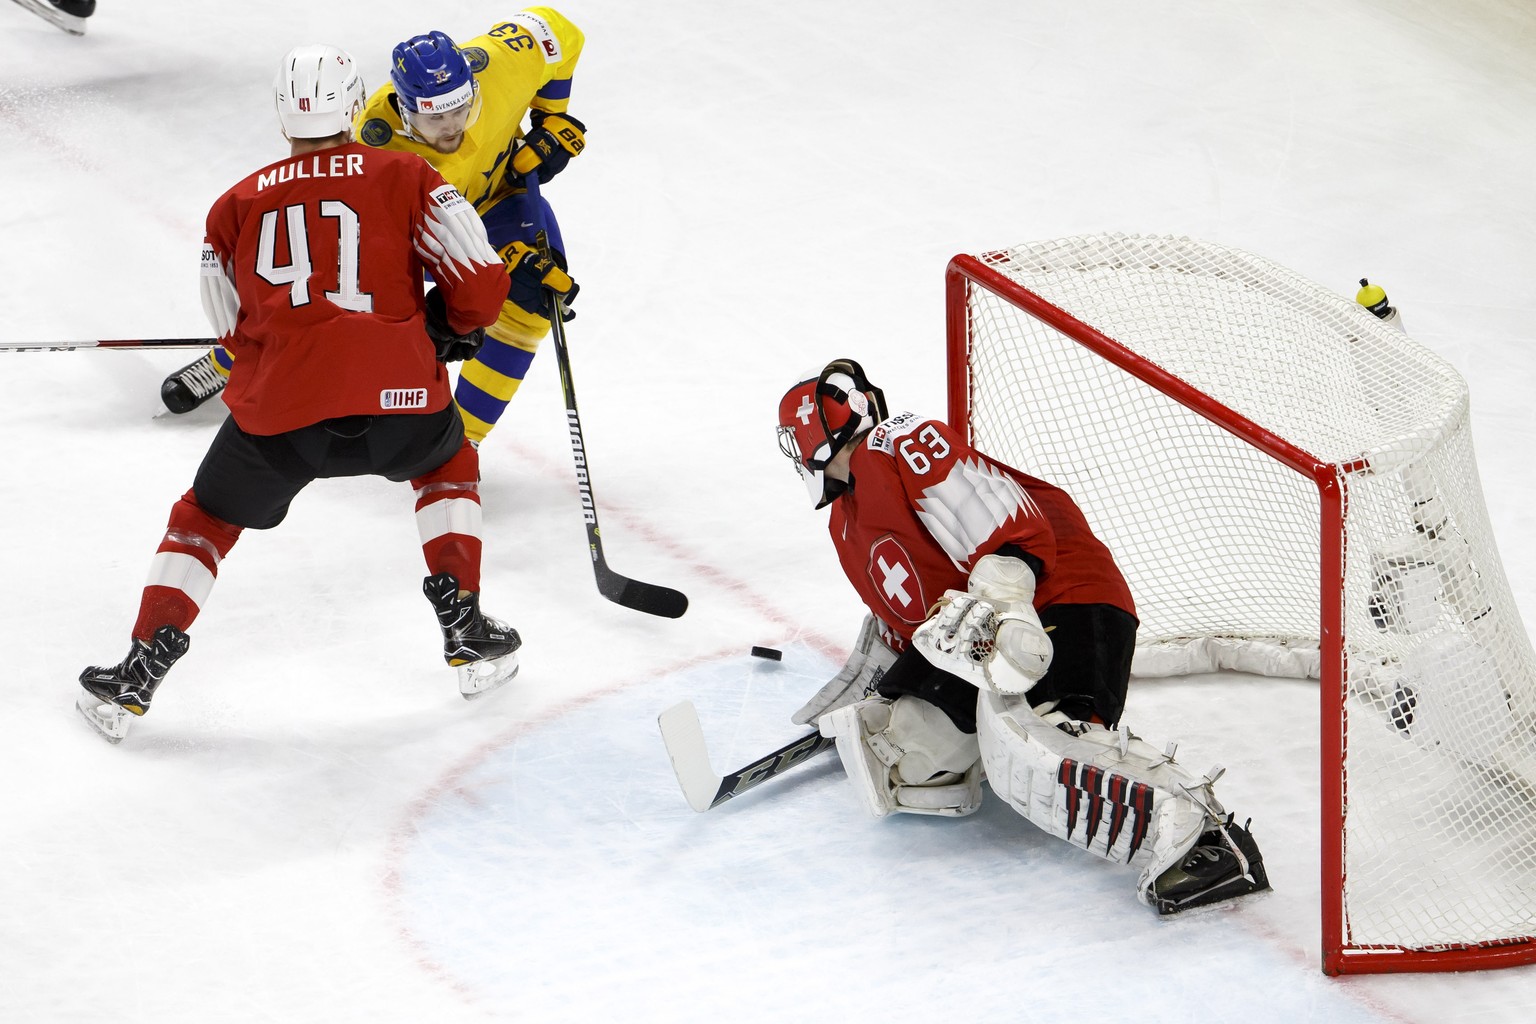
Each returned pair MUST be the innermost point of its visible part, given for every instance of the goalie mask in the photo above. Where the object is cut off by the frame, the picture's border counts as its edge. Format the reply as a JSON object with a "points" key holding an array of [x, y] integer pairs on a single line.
{"points": [[820, 416]]}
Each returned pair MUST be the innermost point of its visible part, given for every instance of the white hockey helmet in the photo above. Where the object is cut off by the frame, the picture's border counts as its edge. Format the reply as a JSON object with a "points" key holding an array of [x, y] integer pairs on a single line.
{"points": [[820, 416], [318, 90]]}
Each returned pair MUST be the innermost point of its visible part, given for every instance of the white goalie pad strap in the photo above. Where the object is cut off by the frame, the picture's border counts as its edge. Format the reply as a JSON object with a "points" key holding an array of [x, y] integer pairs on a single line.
{"points": [[183, 572], [449, 515], [1110, 793], [861, 673], [906, 756]]}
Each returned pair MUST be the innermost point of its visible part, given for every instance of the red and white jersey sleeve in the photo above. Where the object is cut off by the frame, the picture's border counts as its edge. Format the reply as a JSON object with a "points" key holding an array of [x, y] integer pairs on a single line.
{"points": [[452, 242], [924, 506], [312, 273]]}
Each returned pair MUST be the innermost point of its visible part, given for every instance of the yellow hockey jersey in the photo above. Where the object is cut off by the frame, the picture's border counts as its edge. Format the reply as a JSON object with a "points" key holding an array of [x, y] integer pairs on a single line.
{"points": [[523, 63]]}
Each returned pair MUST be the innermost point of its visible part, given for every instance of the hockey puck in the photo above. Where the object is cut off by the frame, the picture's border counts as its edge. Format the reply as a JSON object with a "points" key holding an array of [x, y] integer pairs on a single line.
{"points": [[767, 652]]}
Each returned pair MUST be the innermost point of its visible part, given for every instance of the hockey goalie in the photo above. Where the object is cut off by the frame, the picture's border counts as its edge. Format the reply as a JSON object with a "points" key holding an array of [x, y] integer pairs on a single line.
{"points": [[998, 646]]}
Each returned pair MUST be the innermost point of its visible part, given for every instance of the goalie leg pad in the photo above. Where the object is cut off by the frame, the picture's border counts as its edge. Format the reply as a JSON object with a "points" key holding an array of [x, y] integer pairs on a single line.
{"points": [[870, 659], [905, 755], [1109, 792]]}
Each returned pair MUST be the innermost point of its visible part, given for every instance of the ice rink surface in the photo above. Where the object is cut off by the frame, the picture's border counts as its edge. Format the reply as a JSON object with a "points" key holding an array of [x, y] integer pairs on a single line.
{"points": [[312, 826]]}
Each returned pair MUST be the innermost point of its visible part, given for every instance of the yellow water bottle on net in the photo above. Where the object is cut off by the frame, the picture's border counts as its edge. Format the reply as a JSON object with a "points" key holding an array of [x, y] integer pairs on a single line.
{"points": [[1374, 298]]}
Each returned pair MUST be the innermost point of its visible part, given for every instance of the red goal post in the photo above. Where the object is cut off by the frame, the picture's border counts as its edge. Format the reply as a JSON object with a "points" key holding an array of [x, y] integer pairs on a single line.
{"points": [[1290, 487]]}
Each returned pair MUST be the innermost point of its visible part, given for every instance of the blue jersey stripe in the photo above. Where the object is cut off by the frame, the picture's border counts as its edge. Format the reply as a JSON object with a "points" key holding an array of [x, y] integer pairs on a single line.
{"points": [[558, 89]]}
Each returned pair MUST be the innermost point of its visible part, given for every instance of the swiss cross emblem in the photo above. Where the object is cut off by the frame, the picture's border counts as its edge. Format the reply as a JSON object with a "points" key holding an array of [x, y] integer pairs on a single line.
{"points": [[804, 413], [894, 575]]}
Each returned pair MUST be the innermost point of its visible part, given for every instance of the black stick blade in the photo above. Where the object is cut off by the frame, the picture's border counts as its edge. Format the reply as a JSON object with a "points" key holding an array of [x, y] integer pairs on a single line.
{"points": [[650, 598]]}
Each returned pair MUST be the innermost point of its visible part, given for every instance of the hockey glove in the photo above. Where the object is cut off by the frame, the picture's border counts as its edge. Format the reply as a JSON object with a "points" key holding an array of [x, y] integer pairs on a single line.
{"points": [[451, 346], [549, 146], [535, 277], [991, 636], [1023, 648]]}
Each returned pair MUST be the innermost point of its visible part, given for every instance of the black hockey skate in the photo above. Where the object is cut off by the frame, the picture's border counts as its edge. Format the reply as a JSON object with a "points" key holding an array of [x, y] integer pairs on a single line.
{"points": [[109, 695], [482, 649], [1225, 863], [192, 385]]}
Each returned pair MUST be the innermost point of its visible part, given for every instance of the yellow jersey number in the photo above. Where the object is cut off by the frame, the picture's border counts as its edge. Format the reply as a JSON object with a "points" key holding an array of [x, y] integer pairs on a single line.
{"points": [[514, 36]]}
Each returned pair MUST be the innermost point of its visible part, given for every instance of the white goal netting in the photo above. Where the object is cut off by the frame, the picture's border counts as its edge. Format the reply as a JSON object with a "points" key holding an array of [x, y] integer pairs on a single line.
{"points": [[1290, 488]]}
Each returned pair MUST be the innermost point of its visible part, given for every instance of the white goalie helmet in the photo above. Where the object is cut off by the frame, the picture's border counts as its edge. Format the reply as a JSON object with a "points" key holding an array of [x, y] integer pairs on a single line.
{"points": [[318, 91], [820, 416]]}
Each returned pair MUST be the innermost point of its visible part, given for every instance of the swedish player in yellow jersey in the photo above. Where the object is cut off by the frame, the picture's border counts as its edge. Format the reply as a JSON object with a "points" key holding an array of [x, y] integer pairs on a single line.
{"points": [[461, 108]]}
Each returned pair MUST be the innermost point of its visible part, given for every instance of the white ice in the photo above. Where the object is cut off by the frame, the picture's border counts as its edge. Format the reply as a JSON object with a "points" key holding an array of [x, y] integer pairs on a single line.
{"points": [[312, 826]]}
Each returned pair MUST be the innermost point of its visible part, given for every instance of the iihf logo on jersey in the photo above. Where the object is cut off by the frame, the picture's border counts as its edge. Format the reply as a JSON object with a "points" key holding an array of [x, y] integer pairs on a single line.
{"points": [[403, 398]]}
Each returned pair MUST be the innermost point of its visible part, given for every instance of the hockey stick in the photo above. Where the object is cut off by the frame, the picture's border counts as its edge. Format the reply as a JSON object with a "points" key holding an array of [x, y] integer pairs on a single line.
{"points": [[650, 598], [129, 343], [684, 738]]}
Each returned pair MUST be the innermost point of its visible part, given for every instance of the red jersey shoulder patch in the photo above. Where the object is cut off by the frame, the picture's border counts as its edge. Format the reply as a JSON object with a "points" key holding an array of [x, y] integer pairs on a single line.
{"points": [[894, 575]]}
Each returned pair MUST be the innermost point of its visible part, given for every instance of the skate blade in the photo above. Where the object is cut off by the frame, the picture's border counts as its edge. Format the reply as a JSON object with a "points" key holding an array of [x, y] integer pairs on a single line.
{"points": [[110, 721], [68, 22], [481, 677]]}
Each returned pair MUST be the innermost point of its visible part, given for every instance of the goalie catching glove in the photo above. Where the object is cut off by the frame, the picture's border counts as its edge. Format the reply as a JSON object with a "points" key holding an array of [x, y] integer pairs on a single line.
{"points": [[535, 277], [991, 635], [451, 346], [549, 146]]}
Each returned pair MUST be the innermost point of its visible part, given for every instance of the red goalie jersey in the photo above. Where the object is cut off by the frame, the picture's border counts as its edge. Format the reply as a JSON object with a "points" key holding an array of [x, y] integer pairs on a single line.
{"points": [[924, 506], [312, 277]]}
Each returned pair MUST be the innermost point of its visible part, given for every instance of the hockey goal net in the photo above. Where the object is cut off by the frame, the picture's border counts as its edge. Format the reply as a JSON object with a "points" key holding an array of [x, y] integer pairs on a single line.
{"points": [[1289, 486]]}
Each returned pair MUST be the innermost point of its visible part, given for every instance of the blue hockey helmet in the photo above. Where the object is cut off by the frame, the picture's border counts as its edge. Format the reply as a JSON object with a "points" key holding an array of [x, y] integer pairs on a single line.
{"points": [[431, 76]]}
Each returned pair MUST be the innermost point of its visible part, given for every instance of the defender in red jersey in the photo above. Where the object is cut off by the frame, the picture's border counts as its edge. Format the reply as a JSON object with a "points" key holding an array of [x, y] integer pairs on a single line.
{"points": [[998, 645], [312, 273]]}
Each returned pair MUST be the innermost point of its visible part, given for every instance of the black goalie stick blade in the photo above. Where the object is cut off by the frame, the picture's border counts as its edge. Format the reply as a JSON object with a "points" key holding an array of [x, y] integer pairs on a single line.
{"points": [[684, 738], [649, 598]]}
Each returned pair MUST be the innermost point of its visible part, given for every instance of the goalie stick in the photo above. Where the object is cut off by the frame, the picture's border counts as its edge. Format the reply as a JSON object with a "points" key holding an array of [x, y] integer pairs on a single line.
{"points": [[684, 739], [128, 343], [650, 598]]}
